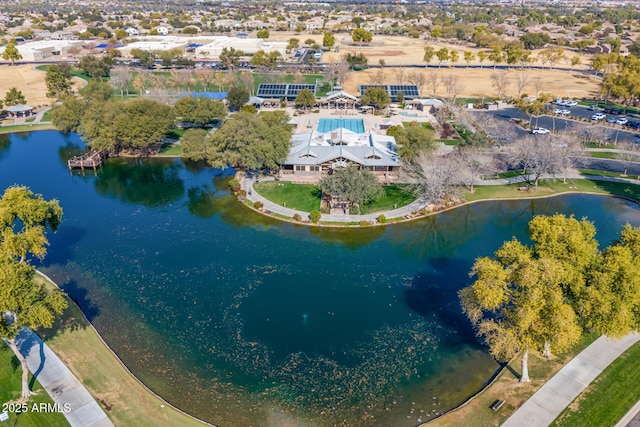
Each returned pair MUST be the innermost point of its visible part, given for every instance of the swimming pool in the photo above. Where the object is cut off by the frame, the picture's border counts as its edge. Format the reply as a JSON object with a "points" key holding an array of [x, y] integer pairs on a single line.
{"points": [[327, 125]]}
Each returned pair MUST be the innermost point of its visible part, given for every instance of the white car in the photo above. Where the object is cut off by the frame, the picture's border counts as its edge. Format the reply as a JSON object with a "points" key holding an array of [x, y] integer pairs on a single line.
{"points": [[570, 103], [562, 111], [598, 116], [622, 121], [594, 107], [539, 131]]}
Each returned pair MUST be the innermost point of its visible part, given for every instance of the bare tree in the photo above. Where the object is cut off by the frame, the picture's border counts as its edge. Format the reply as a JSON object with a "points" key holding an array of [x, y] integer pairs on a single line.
{"points": [[497, 130], [522, 80], [539, 156], [417, 78], [431, 177], [474, 163], [205, 77], [141, 80], [432, 82], [340, 71], [453, 87], [538, 84], [399, 74], [182, 78], [120, 79], [377, 77], [628, 154], [500, 81]]}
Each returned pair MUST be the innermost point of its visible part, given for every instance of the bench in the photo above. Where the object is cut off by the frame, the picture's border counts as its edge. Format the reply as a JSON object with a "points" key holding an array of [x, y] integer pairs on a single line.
{"points": [[497, 404]]}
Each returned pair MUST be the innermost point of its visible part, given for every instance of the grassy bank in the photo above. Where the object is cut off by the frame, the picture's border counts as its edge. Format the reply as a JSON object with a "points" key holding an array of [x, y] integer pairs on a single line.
{"points": [[609, 397], [25, 128], [478, 412], [302, 197], [125, 400], [10, 386], [550, 187]]}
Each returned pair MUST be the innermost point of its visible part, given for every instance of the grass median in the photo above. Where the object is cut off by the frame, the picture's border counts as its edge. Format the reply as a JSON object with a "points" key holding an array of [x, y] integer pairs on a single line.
{"points": [[125, 400], [608, 398]]}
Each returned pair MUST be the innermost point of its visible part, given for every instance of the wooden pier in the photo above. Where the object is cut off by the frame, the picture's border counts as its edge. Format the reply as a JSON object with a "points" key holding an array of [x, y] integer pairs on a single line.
{"points": [[92, 159]]}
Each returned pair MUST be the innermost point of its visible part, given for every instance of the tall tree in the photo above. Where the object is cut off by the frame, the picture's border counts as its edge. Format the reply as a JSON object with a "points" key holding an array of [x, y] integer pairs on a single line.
{"points": [[11, 52], [237, 96], [360, 35], [376, 96], [429, 53], [58, 81], [200, 111], [14, 97], [328, 39], [517, 302], [352, 185], [95, 67], [23, 303], [305, 99]]}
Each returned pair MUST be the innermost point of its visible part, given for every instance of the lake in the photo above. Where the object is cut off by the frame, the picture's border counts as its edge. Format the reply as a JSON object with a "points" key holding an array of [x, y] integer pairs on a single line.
{"points": [[240, 319]]}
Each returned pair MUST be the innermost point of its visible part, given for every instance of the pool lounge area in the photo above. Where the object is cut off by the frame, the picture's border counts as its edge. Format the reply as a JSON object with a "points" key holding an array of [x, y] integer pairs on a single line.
{"points": [[327, 125]]}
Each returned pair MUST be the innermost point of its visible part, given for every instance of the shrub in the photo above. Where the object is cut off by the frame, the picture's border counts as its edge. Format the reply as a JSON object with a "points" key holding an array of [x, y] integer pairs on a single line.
{"points": [[325, 210], [382, 219], [314, 216], [354, 210], [258, 205], [297, 217], [234, 185], [365, 223], [242, 193]]}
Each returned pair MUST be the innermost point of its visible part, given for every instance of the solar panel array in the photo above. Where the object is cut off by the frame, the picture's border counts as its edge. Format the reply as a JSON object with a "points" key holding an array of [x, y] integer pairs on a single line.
{"points": [[282, 91], [409, 91]]}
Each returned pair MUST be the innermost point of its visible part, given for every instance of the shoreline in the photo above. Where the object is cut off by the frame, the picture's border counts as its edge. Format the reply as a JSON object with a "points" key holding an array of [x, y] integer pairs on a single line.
{"points": [[120, 363]]}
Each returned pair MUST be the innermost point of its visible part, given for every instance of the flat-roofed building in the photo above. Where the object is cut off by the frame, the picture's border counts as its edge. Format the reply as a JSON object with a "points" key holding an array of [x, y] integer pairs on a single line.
{"points": [[152, 46], [43, 49], [247, 45]]}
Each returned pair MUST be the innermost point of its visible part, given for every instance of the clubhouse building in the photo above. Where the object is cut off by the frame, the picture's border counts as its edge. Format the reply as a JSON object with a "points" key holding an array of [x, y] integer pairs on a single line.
{"points": [[339, 143]]}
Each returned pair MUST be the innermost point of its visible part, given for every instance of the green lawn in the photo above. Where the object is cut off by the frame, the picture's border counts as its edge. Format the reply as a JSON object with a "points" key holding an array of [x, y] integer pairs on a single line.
{"points": [[450, 141], [10, 385], [395, 197], [609, 397], [74, 72], [176, 133], [25, 128], [510, 174], [46, 117], [599, 145], [594, 172], [174, 150], [551, 187], [602, 154], [303, 197]]}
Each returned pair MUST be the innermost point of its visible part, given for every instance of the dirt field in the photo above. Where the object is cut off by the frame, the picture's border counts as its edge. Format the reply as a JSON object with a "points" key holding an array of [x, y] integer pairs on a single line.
{"points": [[30, 81]]}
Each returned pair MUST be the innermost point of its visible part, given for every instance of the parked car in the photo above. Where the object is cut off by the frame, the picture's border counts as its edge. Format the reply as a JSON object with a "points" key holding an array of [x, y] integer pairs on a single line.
{"points": [[594, 107], [611, 119], [622, 121], [539, 131], [571, 103], [598, 116], [562, 111]]}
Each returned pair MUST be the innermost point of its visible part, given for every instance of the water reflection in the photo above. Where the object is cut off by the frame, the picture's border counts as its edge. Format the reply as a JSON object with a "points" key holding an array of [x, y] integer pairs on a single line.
{"points": [[149, 182], [350, 238]]}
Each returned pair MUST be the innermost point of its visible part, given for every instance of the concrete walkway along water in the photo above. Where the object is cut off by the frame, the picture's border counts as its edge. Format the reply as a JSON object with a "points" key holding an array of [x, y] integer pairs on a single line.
{"points": [[558, 393], [71, 397]]}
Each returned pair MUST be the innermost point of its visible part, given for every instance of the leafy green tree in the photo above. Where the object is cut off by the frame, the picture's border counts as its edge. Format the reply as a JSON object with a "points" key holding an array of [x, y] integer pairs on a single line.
{"points": [[412, 140], [95, 67], [535, 40], [443, 55], [496, 55], [14, 97], [356, 60], [376, 96], [120, 34], [145, 57], [200, 111], [197, 145], [263, 34], [294, 43], [468, 57], [634, 48], [230, 57], [518, 301], [237, 96], [58, 81], [352, 185], [246, 141], [68, 116], [305, 99], [429, 53], [360, 35], [23, 302], [482, 55], [328, 39], [259, 59], [11, 52], [96, 91]]}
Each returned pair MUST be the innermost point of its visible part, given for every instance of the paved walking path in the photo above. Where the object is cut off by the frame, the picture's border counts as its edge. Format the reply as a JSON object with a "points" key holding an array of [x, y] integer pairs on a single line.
{"points": [[63, 387], [548, 402], [247, 184]]}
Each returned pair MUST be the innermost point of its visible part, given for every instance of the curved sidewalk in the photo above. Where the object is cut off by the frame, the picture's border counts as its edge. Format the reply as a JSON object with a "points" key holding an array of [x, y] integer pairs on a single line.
{"points": [[558, 393], [72, 398]]}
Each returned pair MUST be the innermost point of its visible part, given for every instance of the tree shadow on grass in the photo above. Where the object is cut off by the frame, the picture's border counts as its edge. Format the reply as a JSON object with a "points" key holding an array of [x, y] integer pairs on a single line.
{"points": [[70, 319]]}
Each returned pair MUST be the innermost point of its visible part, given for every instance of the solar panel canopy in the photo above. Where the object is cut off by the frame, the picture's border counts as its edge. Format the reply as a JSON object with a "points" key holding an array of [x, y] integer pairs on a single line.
{"points": [[285, 91], [409, 91]]}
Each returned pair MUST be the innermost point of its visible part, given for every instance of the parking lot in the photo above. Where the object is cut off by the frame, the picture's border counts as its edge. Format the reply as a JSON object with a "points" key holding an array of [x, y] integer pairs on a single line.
{"points": [[553, 122]]}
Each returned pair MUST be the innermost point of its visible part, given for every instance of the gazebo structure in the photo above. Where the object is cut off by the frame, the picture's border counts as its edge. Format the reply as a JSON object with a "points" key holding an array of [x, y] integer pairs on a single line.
{"points": [[19, 110], [339, 99], [425, 104]]}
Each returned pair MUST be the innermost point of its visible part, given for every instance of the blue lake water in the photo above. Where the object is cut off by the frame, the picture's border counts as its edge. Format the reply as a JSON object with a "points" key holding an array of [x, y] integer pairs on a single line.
{"points": [[243, 320]]}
